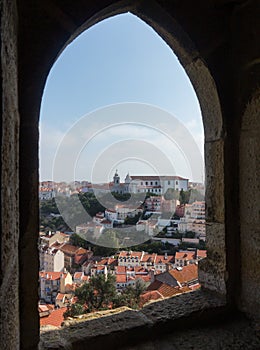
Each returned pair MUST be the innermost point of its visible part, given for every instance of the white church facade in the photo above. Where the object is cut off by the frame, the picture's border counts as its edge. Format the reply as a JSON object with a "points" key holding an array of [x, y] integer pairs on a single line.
{"points": [[145, 183]]}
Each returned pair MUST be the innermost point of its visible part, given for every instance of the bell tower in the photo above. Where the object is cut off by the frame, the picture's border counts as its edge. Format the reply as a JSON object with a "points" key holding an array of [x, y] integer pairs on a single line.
{"points": [[116, 178]]}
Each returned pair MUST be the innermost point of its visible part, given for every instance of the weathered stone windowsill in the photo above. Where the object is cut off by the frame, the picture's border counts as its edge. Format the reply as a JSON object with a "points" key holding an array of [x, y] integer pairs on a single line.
{"points": [[127, 326]]}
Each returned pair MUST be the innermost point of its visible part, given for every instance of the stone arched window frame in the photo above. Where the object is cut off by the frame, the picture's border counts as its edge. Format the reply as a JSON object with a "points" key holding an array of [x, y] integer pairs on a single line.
{"points": [[212, 270], [212, 273]]}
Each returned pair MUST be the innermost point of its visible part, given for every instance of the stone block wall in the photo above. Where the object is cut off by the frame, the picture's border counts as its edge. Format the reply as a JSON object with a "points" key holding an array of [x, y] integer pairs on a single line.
{"points": [[217, 44], [250, 207], [9, 290]]}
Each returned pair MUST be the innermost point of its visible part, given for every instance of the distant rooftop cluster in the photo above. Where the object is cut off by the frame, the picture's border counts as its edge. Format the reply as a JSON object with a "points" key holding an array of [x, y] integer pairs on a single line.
{"points": [[132, 184], [65, 267]]}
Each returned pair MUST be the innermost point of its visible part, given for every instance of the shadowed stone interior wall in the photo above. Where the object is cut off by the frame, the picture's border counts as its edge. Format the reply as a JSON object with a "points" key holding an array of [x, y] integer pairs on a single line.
{"points": [[250, 209], [217, 44], [9, 297]]}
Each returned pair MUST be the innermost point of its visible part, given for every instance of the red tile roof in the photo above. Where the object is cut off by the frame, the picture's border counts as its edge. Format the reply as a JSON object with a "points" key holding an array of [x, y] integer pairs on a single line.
{"points": [[82, 251], [51, 275], [164, 289], [185, 255], [77, 275], [161, 259], [186, 274], [140, 270], [80, 258], [70, 287], [110, 211], [150, 295], [120, 269], [107, 261], [121, 278], [55, 318], [130, 254], [60, 296], [202, 253], [69, 248], [43, 308], [145, 278], [149, 257], [105, 221]]}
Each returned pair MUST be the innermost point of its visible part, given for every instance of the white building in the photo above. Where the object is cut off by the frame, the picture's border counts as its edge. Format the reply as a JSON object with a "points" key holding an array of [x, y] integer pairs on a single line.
{"points": [[148, 226], [111, 214], [153, 203], [145, 183], [51, 259], [193, 219], [46, 193], [51, 283], [98, 217], [130, 259], [125, 211]]}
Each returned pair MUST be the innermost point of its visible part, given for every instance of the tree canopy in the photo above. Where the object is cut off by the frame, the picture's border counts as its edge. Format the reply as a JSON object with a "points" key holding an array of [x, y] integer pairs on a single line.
{"points": [[100, 294]]}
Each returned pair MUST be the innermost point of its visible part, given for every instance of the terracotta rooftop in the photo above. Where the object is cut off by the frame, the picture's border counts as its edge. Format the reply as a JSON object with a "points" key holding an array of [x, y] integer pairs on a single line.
{"points": [[110, 211], [187, 255], [161, 259], [69, 248], [126, 254], [121, 278], [107, 261], [55, 318], [202, 253], [105, 221], [120, 270], [45, 307], [60, 296], [148, 257], [145, 278], [186, 274], [77, 275], [140, 270], [150, 295], [51, 275], [164, 289]]}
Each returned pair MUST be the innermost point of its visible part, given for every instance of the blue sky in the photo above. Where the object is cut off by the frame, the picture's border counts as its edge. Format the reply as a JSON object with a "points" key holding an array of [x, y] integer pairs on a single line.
{"points": [[120, 59]]}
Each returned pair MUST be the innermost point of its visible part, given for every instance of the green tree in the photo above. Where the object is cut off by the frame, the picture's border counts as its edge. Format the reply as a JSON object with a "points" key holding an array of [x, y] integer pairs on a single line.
{"points": [[134, 220], [184, 197], [171, 194], [130, 296], [74, 310], [78, 241], [195, 195], [190, 234], [98, 294]]}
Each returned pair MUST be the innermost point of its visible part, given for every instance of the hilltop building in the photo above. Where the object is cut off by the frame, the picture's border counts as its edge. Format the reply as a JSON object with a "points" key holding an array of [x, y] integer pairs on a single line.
{"points": [[148, 183]]}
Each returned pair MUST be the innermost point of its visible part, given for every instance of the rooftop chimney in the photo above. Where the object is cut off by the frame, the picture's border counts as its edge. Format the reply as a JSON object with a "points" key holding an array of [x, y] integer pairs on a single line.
{"points": [[151, 272]]}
